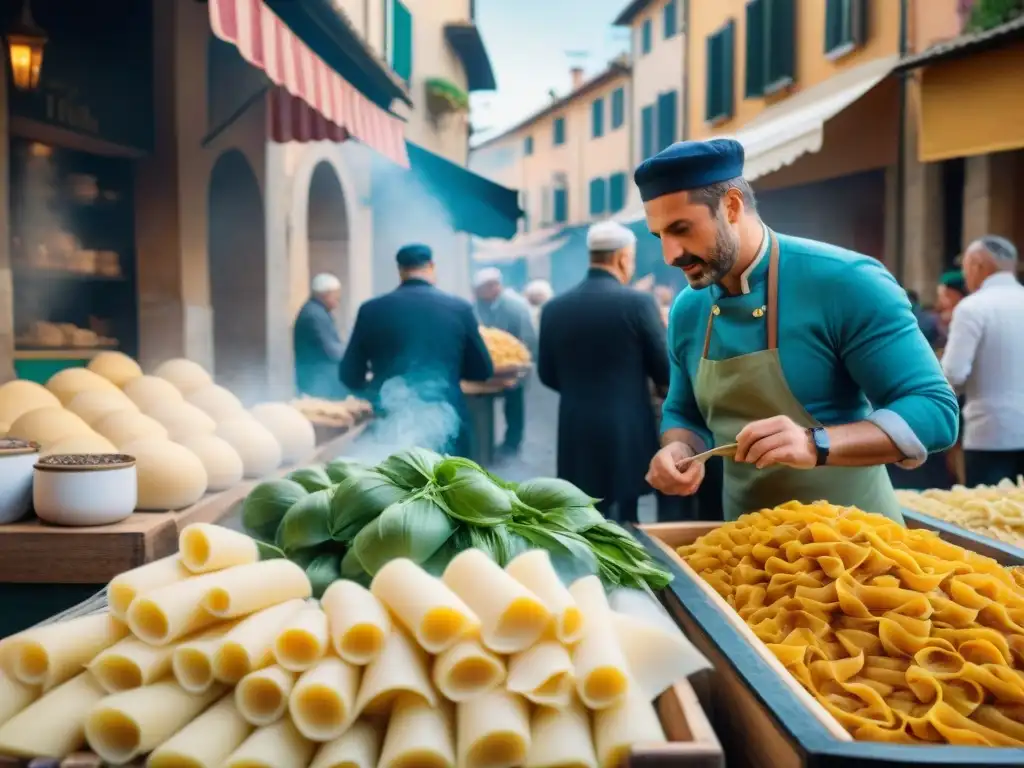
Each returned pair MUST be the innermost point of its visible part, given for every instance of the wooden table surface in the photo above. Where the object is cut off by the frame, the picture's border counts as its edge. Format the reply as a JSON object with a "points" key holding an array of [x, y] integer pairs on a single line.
{"points": [[33, 552]]}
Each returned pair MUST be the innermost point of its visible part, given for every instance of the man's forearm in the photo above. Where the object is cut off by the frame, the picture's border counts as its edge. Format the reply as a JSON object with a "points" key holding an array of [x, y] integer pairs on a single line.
{"points": [[861, 444], [690, 439]]}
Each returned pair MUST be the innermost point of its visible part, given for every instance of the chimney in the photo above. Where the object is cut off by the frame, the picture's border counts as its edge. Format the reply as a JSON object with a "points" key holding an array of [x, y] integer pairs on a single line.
{"points": [[576, 73]]}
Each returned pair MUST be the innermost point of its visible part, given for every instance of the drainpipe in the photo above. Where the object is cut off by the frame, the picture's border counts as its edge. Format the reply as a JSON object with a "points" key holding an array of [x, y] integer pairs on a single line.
{"points": [[901, 147], [684, 91]]}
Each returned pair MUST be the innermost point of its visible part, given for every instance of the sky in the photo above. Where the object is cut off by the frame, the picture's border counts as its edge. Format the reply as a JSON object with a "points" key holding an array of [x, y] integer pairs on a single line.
{"points": [[531, 44]]}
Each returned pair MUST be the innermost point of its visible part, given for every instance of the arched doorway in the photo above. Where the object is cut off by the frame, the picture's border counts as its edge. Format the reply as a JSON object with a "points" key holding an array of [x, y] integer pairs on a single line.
{"points": [[327, 231], [236, 254]]}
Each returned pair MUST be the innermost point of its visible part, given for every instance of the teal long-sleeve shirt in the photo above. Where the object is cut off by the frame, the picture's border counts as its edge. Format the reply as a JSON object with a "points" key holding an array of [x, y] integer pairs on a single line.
{"points": [[850, 347]]}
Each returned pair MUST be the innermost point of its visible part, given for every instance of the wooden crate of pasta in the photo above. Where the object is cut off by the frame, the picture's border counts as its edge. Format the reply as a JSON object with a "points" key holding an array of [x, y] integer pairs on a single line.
{"points": [[841, 638]]}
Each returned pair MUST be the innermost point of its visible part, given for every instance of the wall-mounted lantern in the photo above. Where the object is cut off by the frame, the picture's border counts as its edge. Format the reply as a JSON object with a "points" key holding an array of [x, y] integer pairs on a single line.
{"points": [[25, 41]]}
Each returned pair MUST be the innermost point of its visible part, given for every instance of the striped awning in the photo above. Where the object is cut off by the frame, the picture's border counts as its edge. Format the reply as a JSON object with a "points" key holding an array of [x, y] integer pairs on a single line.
{"points": [[341, 111]]}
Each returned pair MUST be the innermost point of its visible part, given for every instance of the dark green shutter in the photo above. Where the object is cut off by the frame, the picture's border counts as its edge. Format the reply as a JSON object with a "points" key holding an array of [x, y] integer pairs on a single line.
{"points": [[756, 39], [647, 132], [561, 205], [846, 23], [401, 40], [597, 118], [559, 131], [667, 108], [645, 34], [727, 64], [670, 19], [616, 192], [781, 39], [859, 21], [711, 67], [618, 108]]}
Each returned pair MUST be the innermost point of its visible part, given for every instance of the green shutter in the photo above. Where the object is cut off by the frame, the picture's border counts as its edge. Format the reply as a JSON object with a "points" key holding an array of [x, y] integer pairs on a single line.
{"points": [[597, 118], [711, 77], [846, 24], [781, 37], [561, 205], [647, 132], [756, 39], [727, 60], [616, 192], [401, 40], [667, 108]]}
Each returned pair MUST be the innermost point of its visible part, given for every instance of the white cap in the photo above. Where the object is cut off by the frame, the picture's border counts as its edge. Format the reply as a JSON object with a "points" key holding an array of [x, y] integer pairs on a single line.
{"points": [[609, 236], [487, 275], [325, 283], [538, 290]]}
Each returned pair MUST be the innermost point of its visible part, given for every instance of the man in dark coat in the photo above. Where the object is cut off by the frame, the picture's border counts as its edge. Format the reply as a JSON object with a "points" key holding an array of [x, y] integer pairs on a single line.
{"points": [[418, 343], [601, 344], [318, 347]]}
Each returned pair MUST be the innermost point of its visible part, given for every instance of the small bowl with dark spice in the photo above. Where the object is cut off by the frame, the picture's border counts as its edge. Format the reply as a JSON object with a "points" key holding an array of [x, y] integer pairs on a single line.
{"points": [[83, 489], [17, 458]]}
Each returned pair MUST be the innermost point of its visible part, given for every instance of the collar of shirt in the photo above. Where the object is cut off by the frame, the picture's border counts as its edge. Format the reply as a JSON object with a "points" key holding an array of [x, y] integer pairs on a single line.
{"points": [[756, 271], [999, 278]]}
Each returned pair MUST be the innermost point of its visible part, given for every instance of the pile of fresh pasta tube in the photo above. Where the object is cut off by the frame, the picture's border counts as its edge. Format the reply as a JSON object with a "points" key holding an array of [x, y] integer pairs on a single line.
{"points": [[214, 658]]}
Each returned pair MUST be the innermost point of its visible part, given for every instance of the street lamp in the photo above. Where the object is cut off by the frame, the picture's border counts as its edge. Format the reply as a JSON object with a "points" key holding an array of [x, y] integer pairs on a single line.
{"points": [[26, 40]]}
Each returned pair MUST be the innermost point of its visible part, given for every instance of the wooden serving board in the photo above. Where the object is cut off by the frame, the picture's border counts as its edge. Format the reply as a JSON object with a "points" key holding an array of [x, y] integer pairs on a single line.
{"points": [[762, 715]]}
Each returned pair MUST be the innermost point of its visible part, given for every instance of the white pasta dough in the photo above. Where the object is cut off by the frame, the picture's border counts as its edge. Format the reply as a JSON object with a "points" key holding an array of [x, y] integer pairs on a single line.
{"points": [[164, 614], [192, 661], [533, 569], [427, 607], [493, 731], [277, 746], [134, 722], [206, 741], [131, 663], [262, 696], [303, 640], [602, 674], [358, 747], [205, 547], [619, 727], [467, 669], [323, 699], [52, 726], [49, 655], [418, 735], [543, 674], [401, 668], [14, 696], [657, 657], [561, 737], [511, 617], [246, 589], [125, 587], [250, 644], [358, 622]]}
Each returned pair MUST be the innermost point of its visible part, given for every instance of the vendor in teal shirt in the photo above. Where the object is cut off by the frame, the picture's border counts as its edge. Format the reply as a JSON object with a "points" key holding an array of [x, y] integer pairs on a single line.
{"points": [[806, 355]]}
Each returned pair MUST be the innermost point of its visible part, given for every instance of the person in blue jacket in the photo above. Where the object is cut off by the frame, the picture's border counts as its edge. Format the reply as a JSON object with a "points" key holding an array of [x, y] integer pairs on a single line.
{"points": [[409, 351], [806, 355], [317, 344]]}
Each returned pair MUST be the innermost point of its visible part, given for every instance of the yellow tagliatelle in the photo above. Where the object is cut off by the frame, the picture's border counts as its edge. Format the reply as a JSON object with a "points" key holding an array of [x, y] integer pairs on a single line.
{"points": [[901, 636], [996, 511]]}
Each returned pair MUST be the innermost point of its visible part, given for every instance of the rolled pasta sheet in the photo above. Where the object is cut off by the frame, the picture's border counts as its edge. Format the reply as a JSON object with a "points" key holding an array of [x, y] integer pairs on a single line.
{"points": [[359, 624], [125, 587], [401, 668], [52, 726], [205, 548], [542, 674], [131, 723], [601, 670], [206, 742], [276, 746], [561, 738], [418, 736], [358, 747], [467, 669], [657, 657], [424, 605], [168, 613], [322, 703], [619, 727], [47, 656], [493, 731], [262, 696], [512, 618], [192, 660], [250, 644], [131, 663], [15, 696], [303, 640], [246, 589], [534, 570]]}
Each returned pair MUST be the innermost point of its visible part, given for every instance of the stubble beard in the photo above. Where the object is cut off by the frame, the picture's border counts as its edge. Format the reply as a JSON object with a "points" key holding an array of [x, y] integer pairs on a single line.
{"points": [[720, 260]]}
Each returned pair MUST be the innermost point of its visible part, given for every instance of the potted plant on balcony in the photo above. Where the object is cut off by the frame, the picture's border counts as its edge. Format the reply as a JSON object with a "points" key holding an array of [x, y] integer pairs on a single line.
{"points": [[445, 98]]}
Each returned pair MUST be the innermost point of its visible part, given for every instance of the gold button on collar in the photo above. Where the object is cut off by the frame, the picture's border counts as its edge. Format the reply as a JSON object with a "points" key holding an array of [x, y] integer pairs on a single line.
{"points": [[715, 310], [759, 312]]}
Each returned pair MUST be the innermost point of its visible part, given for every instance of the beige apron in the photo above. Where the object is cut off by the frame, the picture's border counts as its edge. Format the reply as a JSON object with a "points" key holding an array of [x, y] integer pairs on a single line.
{"points": [[732, 393]]}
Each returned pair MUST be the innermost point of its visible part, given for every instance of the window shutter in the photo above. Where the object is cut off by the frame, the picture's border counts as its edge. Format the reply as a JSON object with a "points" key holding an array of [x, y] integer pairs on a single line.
{"points": [[667, 107], [671, 19], [598, 197], [727, 59], [711, 67], [616, 192], [859, 21], [756, 39], [647, 132], [561, 205], [781, 40], [401, 40], [528, 145], [618, 108], [597, 118], [559, 131], [646, 36]]}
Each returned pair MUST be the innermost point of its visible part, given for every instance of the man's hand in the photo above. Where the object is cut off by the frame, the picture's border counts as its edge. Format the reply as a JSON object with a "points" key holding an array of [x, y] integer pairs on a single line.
{"points": [[778, 440], [663, 475]]}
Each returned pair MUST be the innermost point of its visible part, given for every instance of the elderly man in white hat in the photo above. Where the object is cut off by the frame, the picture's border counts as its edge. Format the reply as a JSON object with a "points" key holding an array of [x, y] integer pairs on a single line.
{"points": [[601, 343], [501, 307], [537, 293], [318, 347]]}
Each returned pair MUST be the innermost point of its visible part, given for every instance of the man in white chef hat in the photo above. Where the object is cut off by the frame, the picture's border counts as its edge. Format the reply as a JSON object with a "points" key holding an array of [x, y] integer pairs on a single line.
{"points": [[318, 347]]}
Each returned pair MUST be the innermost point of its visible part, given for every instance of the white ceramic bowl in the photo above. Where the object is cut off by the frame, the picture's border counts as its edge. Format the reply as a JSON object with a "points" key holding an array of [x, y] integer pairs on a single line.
{"points": [[17, 457], [84, 494]]}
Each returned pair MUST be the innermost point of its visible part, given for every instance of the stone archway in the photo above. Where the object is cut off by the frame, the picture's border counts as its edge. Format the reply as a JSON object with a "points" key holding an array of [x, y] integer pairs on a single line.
{"points": [[236, 255], [327, 231]]}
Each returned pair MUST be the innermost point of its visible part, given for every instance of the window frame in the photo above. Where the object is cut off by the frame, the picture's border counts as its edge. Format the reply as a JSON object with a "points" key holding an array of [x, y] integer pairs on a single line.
{"points": [[389, 38], [768, 12], [528, 145], [855, 13]]}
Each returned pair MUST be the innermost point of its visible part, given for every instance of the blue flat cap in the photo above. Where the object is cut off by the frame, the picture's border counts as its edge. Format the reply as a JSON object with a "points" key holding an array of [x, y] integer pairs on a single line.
{"points": [[688, 165], [414, 255]]}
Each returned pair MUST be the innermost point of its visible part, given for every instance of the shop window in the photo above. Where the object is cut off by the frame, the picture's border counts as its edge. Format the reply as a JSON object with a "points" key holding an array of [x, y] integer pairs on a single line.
{"points": [[618, 108], [559, 131], [668, 107], [646, 35], [400, 40], [670, 19], [646, 132], [560, 199], [770, 46], [846, 26], [597, 118], [718, 104], [598, 196], [616, 192], [528, 146]]}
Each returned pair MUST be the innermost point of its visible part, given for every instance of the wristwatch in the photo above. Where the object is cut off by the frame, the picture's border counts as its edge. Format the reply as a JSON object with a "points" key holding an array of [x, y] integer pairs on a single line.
{"points": [[821, 444]]}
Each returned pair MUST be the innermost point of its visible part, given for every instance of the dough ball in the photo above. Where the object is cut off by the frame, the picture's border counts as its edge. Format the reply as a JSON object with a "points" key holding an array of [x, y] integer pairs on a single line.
{"points": [[124, 427], [218, 403], [222, 463], [93, 405], [183, 420], [259, 449], [19, 397], [90, 443], [47, 426], [115, 367], [149, 392], [69, 382], [293, 431], [184, 374], [170, 475]]}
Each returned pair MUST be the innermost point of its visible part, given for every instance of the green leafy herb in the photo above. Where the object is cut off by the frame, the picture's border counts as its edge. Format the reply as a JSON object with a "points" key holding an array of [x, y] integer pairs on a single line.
{"points": [[266, 505], [548, 493], [307, 523], [412, 468], [570, 555], [342, 469], [269, 551], [470, 496], [359, 500], [323, 571], [415, 528], [501, 544], [311, 478], [575, 519], [353, 570]]}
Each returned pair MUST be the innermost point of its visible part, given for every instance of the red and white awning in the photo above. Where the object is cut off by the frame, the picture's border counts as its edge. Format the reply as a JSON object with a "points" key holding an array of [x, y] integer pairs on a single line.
{"points": [[266, 42]]}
